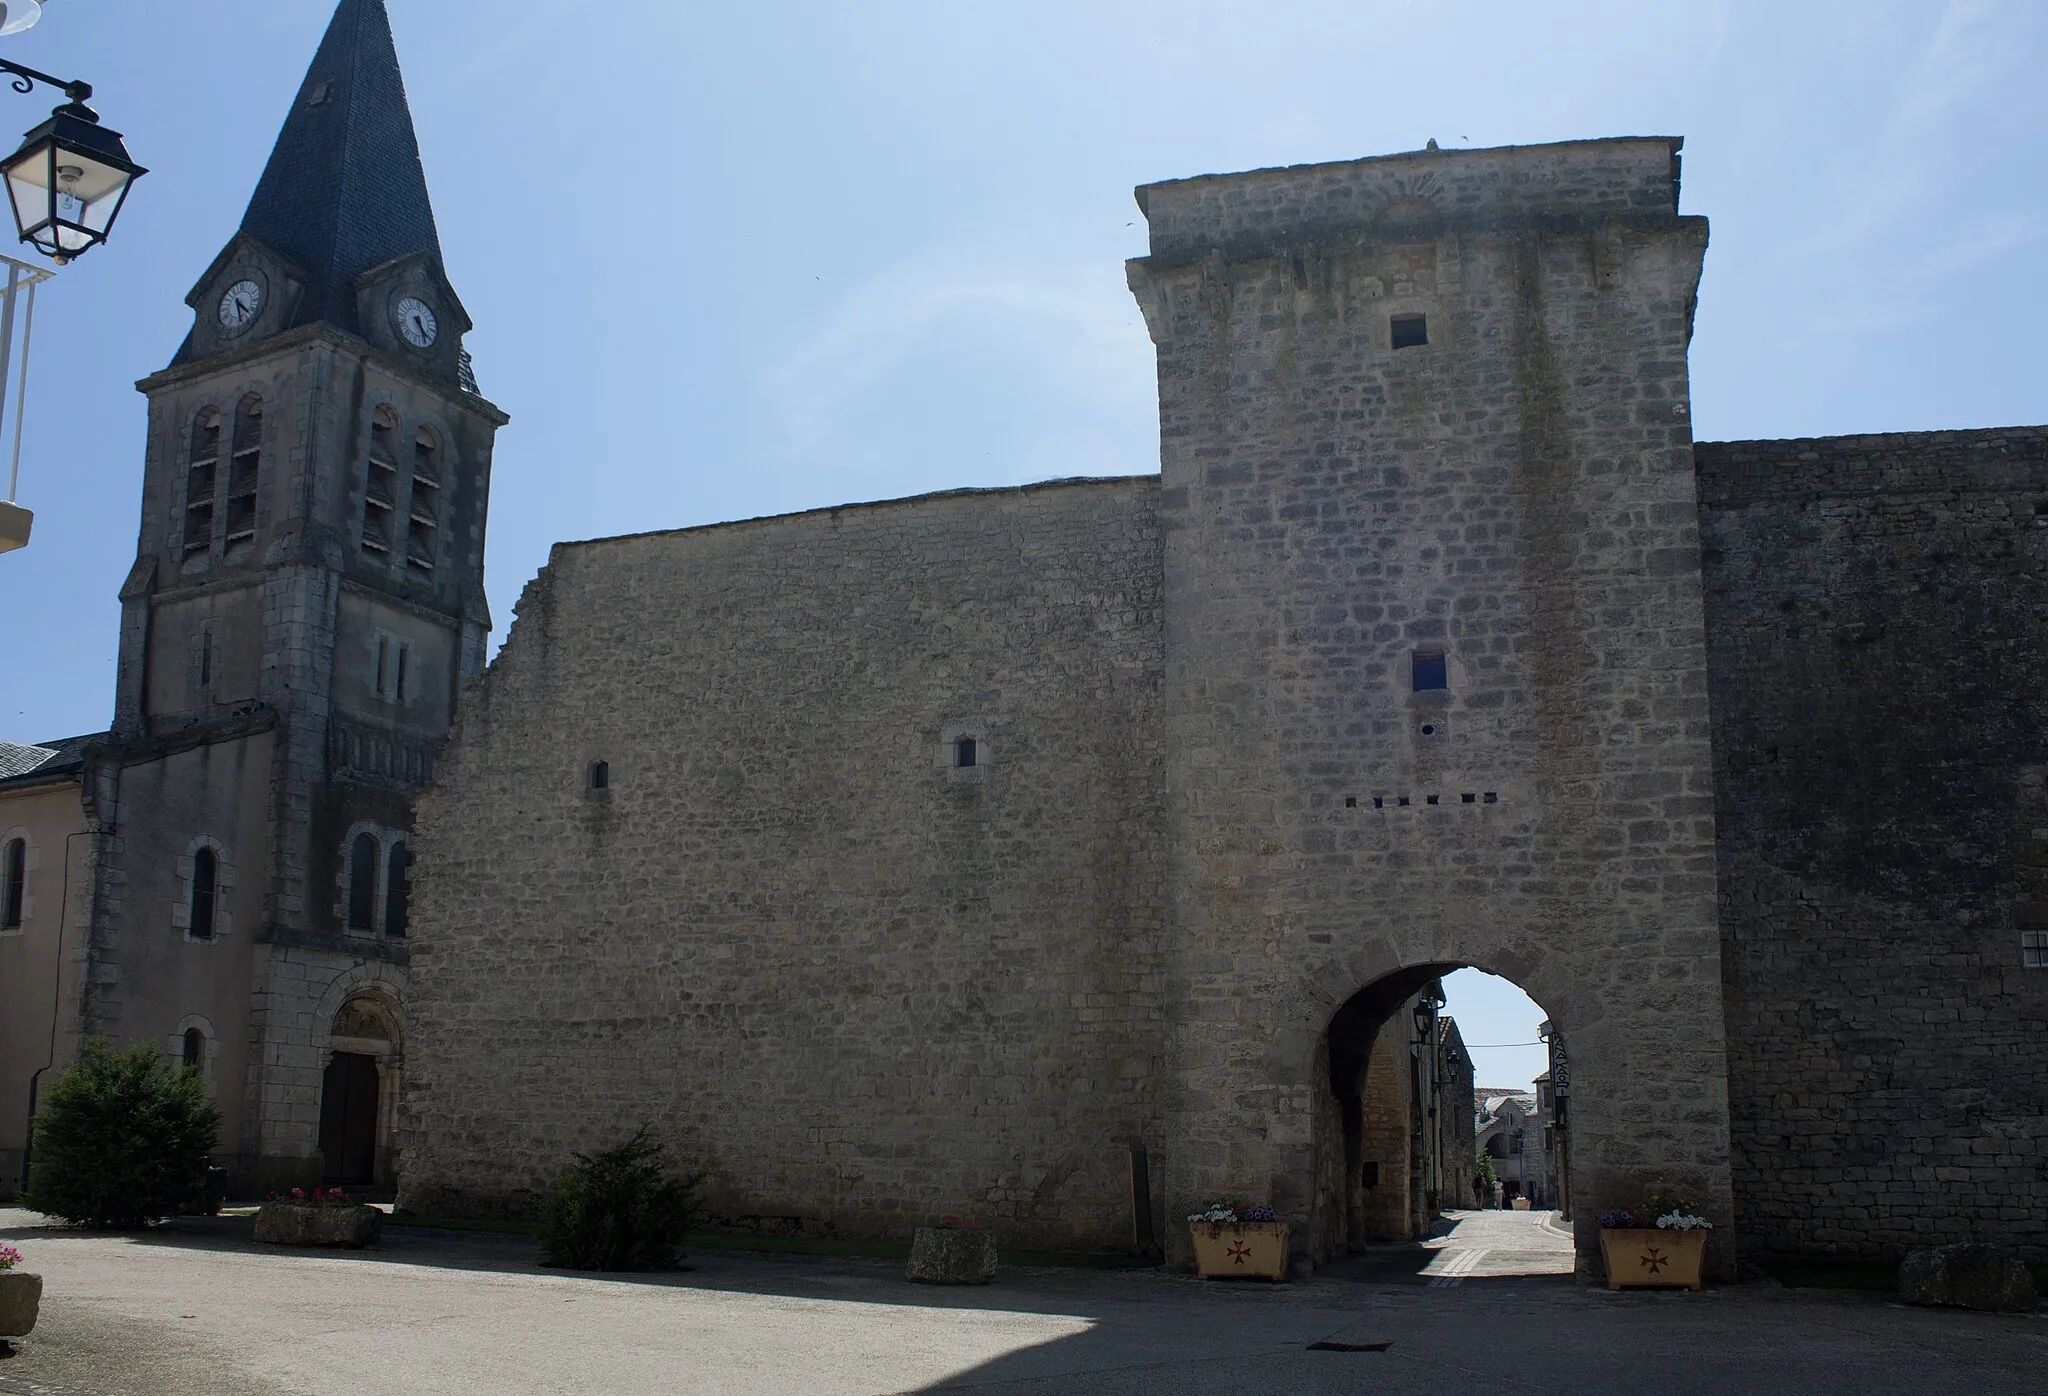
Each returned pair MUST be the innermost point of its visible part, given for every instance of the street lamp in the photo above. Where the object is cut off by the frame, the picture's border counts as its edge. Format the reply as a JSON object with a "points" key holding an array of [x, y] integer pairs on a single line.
{"points": [[69, 179]]}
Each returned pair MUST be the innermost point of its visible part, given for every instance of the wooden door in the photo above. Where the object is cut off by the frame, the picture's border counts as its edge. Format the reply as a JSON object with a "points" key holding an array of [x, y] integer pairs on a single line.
{"points": [[348, 1119]]}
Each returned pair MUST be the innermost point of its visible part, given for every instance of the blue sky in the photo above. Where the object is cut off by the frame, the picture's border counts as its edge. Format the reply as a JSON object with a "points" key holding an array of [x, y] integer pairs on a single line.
{"points": [[728, 260]]}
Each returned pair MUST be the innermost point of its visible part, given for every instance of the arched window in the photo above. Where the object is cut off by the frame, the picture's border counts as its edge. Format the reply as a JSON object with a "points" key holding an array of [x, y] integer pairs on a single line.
{"points": [[424, 525], [397, 890], [205, 884], [380, 491], [13, 883], [195, 1050], [966, 753], [202, 466], [600, 775], [362, 883], [244, 464]]}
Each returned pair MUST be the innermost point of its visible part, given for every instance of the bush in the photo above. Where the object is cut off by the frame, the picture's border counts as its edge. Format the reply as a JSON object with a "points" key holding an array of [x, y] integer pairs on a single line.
{"points": [[619, 1210], [121, 1139]]}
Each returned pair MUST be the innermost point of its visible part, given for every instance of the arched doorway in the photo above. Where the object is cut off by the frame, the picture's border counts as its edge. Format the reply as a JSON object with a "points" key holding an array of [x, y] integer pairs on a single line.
{"points": [[359, 1092]]}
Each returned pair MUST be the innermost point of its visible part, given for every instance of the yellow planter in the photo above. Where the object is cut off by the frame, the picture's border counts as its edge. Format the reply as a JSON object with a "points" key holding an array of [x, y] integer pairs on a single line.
{"points": [[1652, 1258], [1240, 1250]]}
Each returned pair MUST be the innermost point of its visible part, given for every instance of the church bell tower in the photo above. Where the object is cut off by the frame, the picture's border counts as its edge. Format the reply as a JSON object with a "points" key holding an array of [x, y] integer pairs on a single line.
{"points": [[306, 602]]}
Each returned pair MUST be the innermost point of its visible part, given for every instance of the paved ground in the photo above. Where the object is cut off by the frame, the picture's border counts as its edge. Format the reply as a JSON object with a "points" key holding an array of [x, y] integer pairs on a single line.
{"points": [[1474, 1246], [199, 1310]]}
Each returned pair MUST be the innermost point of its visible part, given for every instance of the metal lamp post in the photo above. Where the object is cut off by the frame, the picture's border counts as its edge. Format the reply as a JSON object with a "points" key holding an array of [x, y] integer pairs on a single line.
{"points": [[66, 185], [71, 176]]}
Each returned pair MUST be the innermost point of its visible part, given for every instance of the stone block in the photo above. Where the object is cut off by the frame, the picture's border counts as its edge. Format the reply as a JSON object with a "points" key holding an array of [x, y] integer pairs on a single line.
{"points": [[21, 1294], [290, 1224], [1970, 1276], [942, 1255]]}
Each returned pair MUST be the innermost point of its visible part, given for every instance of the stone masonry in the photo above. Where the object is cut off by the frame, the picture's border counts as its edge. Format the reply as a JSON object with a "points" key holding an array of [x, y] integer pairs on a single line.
{"points": [[1875, 611], [924, 857]]}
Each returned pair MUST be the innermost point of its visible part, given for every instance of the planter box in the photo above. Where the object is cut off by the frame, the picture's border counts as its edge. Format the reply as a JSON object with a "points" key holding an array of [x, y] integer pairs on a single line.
{"points": [[1652, 1257], [944, 1255], [290, 1224], [21, 1294], [1240, 1250]]}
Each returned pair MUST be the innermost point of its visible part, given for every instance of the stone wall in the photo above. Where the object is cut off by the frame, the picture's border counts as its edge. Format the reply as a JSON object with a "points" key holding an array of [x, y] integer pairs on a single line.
{"points": [[1513, 491], [1875, 612], [858, 981]]}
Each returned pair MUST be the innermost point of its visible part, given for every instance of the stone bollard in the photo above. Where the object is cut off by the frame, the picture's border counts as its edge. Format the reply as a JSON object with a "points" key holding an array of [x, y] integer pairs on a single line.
{"points": [[947, 1255], [1970, 1276]]}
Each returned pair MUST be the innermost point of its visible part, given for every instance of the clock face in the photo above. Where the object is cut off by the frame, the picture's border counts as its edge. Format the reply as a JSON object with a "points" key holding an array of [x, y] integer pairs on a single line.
{"points": [[239, 306], [417, 323]]}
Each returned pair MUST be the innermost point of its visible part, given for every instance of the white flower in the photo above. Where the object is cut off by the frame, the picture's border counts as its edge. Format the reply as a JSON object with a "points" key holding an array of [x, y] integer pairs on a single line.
{"points": [[1684, 1221]]}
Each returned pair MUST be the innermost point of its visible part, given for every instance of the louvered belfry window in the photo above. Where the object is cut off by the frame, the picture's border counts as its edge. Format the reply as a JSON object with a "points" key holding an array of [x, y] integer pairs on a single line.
{"points": [[245, 463], [380, 490], [424, 525], [201, 472]]}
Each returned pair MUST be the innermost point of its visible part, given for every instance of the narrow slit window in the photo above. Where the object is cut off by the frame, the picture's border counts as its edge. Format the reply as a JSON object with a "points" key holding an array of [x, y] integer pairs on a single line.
{"points": [[600, 776], [398, 891], [966, 753], [362, 883], [205, 659], [13, 883], [1411, 331], [1430, 671], [200, 472], [205, 887], [195, 1049], [398, 679]]}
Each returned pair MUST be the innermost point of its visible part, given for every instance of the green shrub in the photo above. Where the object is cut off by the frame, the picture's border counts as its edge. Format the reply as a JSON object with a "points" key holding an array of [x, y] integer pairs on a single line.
{"points": [[619, 1210], [121, 1139]]}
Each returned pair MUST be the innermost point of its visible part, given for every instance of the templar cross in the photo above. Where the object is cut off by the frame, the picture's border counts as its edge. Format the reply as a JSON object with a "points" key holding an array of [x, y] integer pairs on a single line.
{"points": [[1655, 1260], [1240, 1252]]}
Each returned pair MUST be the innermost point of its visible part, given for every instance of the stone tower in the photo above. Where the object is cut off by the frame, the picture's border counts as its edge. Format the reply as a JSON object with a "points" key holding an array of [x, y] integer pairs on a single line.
{"points": [[1435, 688], [306, 600]]}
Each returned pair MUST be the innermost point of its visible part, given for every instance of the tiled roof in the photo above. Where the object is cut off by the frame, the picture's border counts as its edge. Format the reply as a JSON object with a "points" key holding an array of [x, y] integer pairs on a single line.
{"points": [[344, 190], [20, 760], [28, 764]]}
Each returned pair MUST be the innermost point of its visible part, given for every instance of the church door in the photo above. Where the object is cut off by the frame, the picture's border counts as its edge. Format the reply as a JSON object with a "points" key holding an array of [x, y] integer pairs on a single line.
{"points": [[348, 1119]]}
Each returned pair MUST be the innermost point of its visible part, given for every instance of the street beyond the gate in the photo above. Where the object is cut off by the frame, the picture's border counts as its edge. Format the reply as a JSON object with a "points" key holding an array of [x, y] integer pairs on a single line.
{"points": [[197, 1309]]}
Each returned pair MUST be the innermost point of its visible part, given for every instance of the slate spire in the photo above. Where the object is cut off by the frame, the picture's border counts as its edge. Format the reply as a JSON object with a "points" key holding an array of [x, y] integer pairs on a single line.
{"points": [[344, 190]]}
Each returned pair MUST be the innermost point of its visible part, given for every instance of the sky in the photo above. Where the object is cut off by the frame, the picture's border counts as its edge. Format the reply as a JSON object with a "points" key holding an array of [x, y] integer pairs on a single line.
{"points": [[728, 260]]}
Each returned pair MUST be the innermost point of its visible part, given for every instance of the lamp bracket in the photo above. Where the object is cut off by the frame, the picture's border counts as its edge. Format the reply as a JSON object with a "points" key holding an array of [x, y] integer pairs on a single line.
{"points": [[25, 80]]}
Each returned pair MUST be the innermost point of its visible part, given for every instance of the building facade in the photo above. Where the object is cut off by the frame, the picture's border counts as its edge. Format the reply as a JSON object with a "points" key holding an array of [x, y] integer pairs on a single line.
{"points": [[228, 867]]}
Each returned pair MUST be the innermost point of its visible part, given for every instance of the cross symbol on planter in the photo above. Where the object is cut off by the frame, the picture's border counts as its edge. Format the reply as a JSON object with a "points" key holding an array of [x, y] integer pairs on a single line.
{"points": [[1240, 1252], [1655, 1260]]}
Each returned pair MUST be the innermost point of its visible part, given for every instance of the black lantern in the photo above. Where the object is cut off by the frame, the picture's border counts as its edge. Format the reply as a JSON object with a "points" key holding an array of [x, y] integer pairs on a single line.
{"points": [[1424, 1012], [68, 181]]}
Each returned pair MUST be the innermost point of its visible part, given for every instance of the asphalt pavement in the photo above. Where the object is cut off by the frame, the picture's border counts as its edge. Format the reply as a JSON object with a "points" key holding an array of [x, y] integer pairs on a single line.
{"points": [[198, 1309]]}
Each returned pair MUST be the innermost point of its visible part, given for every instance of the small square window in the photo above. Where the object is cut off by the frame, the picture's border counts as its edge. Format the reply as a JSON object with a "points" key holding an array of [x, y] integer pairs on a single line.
{"points": [[1411, 331], [2034, 949], [1430, 671]]}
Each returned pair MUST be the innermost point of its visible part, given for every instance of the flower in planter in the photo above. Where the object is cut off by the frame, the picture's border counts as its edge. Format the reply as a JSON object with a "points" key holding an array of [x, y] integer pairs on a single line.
{"points": [[1622, 1218], [1684, 1221], [1258, 1214], [9, 1257]]}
